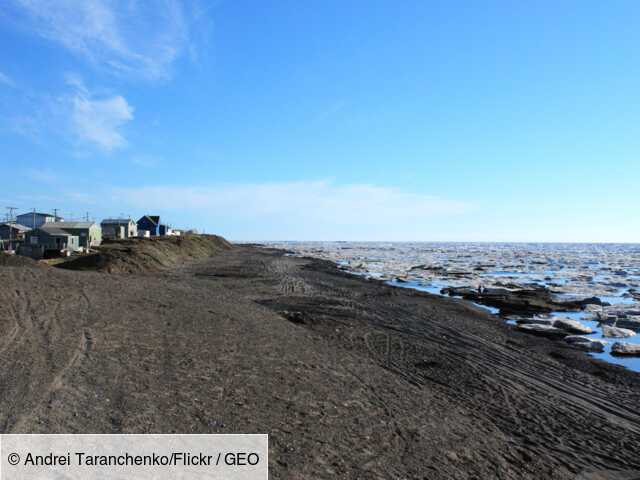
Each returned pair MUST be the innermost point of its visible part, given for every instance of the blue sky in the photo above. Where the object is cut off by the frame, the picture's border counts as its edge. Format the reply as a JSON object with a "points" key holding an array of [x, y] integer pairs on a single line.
{"points": [[328, 120]]}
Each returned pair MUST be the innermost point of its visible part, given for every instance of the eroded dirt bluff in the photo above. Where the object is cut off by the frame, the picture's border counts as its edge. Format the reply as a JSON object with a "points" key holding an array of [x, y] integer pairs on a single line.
{"points": [[149, 254], [351, 379]]}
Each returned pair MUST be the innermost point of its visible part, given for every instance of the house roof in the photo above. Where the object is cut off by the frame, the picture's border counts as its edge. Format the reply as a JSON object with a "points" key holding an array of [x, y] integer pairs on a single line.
{"points": [[16, 226], [38, 213], [53, 230], [154, 218], [118, 221], [75, 224]]}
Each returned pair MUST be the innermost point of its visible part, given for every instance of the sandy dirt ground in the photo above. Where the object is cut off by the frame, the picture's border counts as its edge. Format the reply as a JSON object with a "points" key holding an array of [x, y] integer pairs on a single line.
{"points": [[350, 378]]}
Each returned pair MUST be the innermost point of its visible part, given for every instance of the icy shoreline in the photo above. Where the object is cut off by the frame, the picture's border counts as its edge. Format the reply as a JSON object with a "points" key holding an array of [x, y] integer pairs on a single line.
{"points": [[569, 271]]}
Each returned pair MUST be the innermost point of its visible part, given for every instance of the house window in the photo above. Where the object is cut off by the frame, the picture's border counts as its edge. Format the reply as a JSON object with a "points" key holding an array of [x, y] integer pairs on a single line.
{"points": [[34, 240]]}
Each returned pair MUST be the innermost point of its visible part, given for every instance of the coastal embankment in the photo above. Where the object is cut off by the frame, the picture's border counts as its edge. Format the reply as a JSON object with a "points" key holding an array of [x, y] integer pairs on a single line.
{"points": [[351, 378], [148, 254]]}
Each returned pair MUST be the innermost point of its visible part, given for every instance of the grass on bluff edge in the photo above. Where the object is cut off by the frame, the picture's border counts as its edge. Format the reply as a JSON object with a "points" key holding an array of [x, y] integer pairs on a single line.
{"points": [[147, 254]]}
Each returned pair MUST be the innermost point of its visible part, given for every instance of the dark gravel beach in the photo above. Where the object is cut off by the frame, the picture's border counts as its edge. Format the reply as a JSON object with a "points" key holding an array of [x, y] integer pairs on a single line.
{"points": [[350, 378]]}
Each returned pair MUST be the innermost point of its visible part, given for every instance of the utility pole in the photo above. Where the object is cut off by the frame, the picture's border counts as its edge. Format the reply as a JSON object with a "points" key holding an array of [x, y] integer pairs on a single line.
{"points": [[9, 224], [55, 214], [10, 214]]}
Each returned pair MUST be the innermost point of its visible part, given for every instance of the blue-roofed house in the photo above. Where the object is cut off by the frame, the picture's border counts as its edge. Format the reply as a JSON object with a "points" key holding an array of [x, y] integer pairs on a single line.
{"points": [[151, 224]]}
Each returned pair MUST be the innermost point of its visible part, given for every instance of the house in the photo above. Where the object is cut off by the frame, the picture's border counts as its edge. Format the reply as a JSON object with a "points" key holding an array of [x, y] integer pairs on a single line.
{"points": [[48, 240], [36, 220], [151, 224], [89, 233], [118, 228], [12, 231], [11, 234]]}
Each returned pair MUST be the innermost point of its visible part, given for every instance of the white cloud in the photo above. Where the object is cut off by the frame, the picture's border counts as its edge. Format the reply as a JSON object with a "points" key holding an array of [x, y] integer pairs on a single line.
{"points": [[99, 120], [315, 210], [127, 37], [81, 116], [6, 80]]}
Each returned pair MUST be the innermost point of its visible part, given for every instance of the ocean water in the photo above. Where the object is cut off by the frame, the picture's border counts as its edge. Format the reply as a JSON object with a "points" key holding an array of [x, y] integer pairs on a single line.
{"points": [[610, 272]]}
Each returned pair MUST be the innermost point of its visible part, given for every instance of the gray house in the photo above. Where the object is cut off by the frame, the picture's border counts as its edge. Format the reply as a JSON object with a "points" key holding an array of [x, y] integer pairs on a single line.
{"points": [[89, 233], [118, 228], [47, 240], [35, 219]]}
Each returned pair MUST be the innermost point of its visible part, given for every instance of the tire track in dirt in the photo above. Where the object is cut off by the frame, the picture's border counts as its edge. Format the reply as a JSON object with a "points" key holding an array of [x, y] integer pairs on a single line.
{"points": [[529, 397], [49, 323]]}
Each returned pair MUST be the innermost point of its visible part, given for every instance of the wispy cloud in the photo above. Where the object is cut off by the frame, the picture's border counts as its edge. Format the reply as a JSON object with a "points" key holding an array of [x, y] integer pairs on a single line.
{"points": [[27, 126], [146, 161], [42, 175], [316, 209], [131, 38], [6, 80], [81, 117], [99, 120]]}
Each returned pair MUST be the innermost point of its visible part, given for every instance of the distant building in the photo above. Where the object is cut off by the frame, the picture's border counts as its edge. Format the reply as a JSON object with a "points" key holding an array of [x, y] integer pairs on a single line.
{"points": [[89, 233], [48, 240], [36, 220], [118, 228], [151, 224]]}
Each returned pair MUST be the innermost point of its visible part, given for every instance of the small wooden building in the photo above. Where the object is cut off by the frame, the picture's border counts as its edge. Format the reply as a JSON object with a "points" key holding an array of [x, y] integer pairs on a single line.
{"points": [[118, 228], [48, 241], [89, 233]]}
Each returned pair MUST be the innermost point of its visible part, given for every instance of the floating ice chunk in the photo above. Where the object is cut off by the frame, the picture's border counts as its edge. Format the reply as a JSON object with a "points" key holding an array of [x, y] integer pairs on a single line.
{"points": [[569, 325], [616, 332], [535, 321], [623, 348], [632, 323], [539, 329], [586, 343]]}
